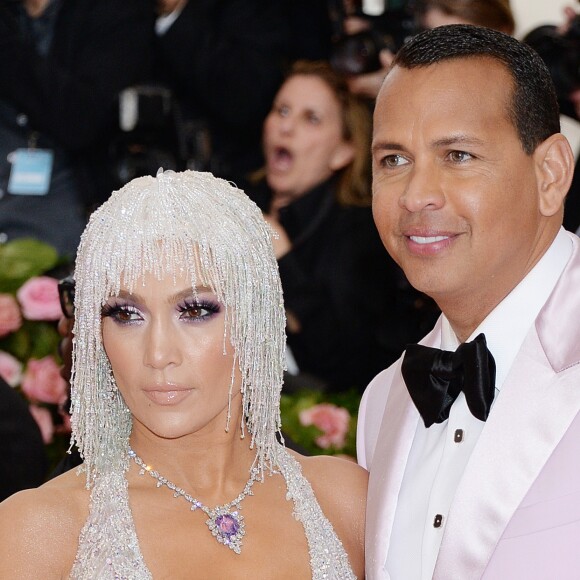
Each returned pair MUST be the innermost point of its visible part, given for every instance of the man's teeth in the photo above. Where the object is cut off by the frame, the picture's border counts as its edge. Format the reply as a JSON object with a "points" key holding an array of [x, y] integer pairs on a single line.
{"points": [[429, 240]]}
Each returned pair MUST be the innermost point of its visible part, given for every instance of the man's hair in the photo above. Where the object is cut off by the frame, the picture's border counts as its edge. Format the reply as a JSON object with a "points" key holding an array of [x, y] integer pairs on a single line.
{"points": [[534, 105]]}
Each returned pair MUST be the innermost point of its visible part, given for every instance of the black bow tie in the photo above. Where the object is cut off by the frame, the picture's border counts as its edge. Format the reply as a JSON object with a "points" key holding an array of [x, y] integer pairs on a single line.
{"points": [[435, 378]]}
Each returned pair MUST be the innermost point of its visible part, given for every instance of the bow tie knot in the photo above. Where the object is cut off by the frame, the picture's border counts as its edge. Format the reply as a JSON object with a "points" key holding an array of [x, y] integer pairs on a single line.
{"points": [[435, 378]]}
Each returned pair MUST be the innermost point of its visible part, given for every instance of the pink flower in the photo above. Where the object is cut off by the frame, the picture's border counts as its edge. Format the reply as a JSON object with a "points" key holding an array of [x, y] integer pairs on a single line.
{"points": [[10, 369], [39, 299], [10, 317], [44, 422], [333, 421], [42, 381]]}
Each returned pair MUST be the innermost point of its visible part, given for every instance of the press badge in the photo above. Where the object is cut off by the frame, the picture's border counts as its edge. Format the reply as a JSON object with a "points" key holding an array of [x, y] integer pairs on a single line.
{"points": [[31, 171]]}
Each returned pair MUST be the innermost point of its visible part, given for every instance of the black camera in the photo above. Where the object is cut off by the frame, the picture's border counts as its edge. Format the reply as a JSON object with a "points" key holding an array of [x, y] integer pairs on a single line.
{"points": [[561, 53], [153, 133], [354, 54]]}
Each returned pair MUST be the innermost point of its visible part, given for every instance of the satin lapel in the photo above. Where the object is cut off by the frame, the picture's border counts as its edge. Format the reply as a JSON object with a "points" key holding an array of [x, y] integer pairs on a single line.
{"points": [[388, 467], [535, 407]]}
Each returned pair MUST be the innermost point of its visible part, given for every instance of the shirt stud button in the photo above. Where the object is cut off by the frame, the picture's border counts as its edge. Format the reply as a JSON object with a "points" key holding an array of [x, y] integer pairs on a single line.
{"points": [[458, 436], [438, 521]]}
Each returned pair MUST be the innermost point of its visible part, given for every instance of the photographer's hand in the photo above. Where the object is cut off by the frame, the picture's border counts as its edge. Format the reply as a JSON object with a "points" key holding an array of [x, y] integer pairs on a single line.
{"points": [[368, 85], [166, 7]]}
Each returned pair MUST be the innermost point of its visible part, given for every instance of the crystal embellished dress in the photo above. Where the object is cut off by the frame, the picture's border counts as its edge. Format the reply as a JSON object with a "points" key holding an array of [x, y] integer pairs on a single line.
{"points": [[109, 548]]}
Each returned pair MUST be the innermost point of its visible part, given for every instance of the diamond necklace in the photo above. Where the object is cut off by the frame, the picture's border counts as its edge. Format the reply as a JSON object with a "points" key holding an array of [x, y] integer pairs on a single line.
{"points": [[224, 521]]}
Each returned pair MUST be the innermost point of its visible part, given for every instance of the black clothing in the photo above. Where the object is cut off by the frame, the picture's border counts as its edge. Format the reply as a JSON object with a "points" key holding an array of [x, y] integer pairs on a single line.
{"points": [[351, 299], [65, 100], [225, 61], [23, 461]]}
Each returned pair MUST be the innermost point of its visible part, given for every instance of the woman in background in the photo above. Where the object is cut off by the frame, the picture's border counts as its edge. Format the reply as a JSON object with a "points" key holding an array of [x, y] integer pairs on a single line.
{"points": [[339, 283]]}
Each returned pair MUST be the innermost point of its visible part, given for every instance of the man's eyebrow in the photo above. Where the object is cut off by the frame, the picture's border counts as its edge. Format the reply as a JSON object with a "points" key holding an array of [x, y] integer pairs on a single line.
{"points": [[458, 139], [387, 145]]}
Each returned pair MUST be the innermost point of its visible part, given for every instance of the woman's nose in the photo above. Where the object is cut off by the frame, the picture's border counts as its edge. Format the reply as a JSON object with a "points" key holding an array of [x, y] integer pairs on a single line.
{"points": [[161, 346]]}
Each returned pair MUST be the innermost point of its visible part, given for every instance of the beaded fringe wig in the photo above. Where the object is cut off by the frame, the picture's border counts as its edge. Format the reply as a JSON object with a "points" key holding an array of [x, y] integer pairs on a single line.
{"points": [[202, 227]]}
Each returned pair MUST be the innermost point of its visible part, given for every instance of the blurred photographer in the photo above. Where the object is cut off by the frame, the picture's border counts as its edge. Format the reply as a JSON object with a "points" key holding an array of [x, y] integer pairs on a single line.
{"points": [[559, 47], [62, 64], [365, 37], [224, 61], [409, 17]]}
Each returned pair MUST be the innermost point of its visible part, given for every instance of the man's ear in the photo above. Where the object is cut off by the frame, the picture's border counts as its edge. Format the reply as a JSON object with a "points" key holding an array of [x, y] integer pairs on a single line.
{"points": [[554, 162], [343, 155]]}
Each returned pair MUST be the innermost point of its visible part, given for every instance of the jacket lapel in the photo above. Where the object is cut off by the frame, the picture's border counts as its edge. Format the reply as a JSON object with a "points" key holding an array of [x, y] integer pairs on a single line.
{"points": [[535, 407], [388, 467]]}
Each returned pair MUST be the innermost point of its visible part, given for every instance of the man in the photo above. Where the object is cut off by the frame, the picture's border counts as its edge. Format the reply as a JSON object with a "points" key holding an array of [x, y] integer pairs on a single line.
{"points": [[470, 173]]}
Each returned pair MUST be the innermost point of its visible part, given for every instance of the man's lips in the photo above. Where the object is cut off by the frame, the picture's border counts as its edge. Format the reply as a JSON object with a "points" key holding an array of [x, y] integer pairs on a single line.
{"points": [[429, 243], [428, 239], [167, 394]]}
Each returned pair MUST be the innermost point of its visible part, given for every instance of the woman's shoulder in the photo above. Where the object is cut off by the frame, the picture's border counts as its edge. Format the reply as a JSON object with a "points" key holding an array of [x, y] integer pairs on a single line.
{"points": [[334, 474], [340, 487], [39, 527]]}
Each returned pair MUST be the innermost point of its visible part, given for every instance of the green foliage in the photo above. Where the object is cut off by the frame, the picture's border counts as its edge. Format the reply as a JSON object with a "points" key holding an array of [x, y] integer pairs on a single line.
{"points": [[22, 259]]}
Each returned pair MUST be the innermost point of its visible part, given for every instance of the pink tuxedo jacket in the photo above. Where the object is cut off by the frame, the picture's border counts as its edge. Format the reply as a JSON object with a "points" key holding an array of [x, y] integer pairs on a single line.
{"points": [[516, 512]]}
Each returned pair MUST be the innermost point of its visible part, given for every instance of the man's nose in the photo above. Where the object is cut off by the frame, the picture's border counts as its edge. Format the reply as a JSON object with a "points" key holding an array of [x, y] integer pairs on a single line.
{"points": [[423, 189]]}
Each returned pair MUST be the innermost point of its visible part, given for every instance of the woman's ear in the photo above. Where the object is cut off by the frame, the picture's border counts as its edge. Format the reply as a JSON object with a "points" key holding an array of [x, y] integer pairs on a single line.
{"points": [[554, 162], [342, 156]]}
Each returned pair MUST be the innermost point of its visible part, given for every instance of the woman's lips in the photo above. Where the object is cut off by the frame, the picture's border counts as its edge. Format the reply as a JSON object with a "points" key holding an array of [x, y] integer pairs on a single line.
{"points": [[280, 159], [169, 396]]}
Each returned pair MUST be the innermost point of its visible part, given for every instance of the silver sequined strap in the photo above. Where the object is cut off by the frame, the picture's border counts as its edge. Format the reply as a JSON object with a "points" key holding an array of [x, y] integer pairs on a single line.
{"points": [[108, 546], [328, 558]]}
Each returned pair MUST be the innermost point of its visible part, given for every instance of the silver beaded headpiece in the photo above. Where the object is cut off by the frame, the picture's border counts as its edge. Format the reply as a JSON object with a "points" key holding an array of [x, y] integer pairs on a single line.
{"points": [[204, 228]]}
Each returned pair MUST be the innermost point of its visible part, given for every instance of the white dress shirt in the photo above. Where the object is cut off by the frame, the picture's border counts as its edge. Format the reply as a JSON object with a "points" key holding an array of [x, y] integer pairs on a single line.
{"points": [[439, 454]]}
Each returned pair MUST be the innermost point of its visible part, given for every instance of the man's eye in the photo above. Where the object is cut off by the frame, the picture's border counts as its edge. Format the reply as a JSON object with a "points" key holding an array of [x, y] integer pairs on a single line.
{"points": [[459, 156], [393, 161]]}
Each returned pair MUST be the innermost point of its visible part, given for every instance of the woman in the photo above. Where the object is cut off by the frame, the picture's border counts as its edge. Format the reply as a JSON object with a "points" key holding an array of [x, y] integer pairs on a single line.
{"points": [[177, 372], [339, 283]]}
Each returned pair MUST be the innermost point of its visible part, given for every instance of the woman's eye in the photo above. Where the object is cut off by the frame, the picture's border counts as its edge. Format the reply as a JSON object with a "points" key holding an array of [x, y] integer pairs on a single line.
{"points": [[459, 156], [198, 311], [283, 110], [393, 161], [121, 314], [313, 119]]}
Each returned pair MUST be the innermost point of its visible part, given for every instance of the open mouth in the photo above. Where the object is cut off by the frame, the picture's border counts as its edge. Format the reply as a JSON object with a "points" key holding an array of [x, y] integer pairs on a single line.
{"points": [[280, 159]]}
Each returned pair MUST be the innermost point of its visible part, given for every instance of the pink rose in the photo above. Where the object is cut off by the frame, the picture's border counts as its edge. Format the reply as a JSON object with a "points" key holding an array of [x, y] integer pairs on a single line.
{"points": [[44, 422], [10, 369], [42, 381], [39, 299], [10, 317], [333, 421]]}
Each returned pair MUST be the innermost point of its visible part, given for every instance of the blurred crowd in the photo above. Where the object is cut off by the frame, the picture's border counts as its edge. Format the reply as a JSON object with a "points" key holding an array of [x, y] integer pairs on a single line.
{"points": [[274, 96]]}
